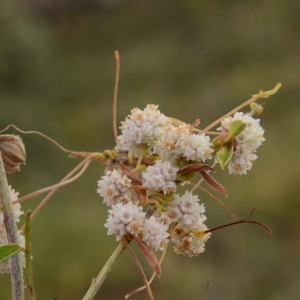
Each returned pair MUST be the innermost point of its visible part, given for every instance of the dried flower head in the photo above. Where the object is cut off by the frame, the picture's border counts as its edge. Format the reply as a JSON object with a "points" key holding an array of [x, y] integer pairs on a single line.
{"points": [[13, 152]]}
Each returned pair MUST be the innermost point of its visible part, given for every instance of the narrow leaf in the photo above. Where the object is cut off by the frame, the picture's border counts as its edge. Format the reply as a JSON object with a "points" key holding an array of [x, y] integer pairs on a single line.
{"points": [[144, 278], [149, 255], [142, 194], [130, 175], [213, 183], [224, 154], [9, 250], [188, 172], [148, 162], [195, 168]]}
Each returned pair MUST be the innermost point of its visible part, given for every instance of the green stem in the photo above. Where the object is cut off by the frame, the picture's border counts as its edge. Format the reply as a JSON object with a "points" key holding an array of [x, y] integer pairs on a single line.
{"points": [[29, 272], [12, 236], [97, 282]]}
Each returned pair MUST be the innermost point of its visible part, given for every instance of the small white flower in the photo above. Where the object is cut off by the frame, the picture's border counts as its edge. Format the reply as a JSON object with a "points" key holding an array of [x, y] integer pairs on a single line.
{"points": [[160, 177], [187, 242], [114, 188], [155, 234], [125, 218], [186, 210]]}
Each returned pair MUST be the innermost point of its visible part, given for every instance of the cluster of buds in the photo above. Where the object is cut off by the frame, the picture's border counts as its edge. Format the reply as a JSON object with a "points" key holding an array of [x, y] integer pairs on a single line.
{"points": [[159, 153]]}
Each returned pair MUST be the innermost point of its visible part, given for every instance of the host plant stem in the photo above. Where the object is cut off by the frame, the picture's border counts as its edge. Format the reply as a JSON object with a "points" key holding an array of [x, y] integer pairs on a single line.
{"points": [[97, 282], [17, 280]]}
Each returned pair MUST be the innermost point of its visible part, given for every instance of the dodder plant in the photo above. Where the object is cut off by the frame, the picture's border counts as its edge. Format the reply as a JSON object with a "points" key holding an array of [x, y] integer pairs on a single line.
{"points": [[153, 155]]}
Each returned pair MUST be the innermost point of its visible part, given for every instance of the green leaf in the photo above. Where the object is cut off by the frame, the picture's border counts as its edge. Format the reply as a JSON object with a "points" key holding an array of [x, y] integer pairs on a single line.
{"points": [[224, 154], [235, 129], [9, 250]]}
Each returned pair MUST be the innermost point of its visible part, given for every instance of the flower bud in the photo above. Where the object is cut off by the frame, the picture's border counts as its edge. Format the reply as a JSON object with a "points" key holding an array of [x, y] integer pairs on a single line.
{"points": [[256, 108], [13, 152]]}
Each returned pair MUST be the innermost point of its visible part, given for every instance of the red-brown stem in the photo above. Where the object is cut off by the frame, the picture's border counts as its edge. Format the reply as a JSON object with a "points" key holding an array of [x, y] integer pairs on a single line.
{"points": [[224, 205], [140, 269], [238, 222]]}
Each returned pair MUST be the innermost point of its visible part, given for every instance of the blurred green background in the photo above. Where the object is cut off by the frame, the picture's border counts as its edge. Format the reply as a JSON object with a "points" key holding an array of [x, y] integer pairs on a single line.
{"points": [[196, 59]]}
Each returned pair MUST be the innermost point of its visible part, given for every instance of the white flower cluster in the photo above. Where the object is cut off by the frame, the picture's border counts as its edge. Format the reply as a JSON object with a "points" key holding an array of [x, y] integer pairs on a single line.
{"points": [[125, 218], [150, 132], [114, 188], [189, 215], [248, 141], [152, 129], [142, 128], [155, 234], [160, 177], [129, 218], [190, 242], [186, 210], [164, 146], [5, 265], [178, 141]]}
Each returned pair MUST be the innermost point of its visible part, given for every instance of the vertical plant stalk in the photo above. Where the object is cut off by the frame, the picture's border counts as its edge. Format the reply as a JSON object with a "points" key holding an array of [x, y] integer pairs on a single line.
{"points": [[97, 282], [12, 236], [29, 272]]}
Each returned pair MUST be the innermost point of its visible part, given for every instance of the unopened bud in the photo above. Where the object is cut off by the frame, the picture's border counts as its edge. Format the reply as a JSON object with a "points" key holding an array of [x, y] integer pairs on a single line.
{"points": [[13, 152], [256, 108]]}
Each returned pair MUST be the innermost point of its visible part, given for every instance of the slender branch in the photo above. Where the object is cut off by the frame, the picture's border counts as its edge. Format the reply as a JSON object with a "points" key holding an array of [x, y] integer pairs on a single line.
{"points": [[55, 186], [222, 204], [38, 133], [97, 282], [239, 222], [255, 97], [117, 56], [12, 236], [39, 207]]}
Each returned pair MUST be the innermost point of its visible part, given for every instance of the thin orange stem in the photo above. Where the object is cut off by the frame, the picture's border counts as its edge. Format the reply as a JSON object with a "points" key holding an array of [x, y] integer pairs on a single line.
{"points": [[58, 185], [117, 56], [38, 133], [255, 97], [44, 201]]}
